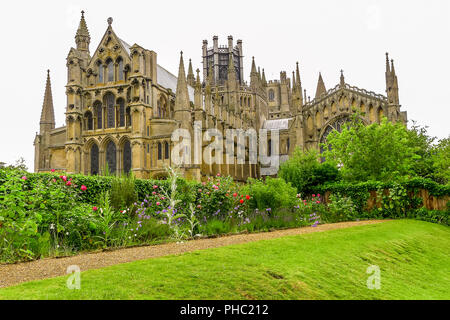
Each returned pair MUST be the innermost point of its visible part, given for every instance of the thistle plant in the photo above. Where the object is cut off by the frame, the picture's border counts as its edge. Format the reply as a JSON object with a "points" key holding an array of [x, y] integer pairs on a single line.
{"points": [[171, 215]]}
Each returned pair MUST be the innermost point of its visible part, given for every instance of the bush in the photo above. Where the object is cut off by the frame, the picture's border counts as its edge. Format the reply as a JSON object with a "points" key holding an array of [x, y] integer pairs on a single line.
{"points": [[123, 192], [305, 172], [274, 193]]}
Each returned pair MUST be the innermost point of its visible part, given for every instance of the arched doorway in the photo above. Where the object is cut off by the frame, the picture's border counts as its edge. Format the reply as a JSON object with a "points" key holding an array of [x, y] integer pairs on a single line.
{"points": [[111, 157], [127, 157], [94, 159]]}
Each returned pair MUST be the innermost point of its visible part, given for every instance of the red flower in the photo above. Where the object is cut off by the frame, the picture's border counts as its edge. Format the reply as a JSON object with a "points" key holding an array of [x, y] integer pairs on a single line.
{"points": [[241, 201], [227, 195], [247, 197], [68, 183], [235, 194], [94, 208], [83, 188], [64, 178], [314, 195]]}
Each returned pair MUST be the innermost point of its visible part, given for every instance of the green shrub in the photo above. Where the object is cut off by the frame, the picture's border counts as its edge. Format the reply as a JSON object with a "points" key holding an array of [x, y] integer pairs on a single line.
{"points": [[123, 192], [305, 172], [274, 193]]}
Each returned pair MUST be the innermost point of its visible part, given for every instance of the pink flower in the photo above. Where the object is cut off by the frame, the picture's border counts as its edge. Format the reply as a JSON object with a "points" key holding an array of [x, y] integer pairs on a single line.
{"points": [[53, 180], [94, 208], [83, 188], [199, 206], [24, 178], [199, 190], [53, 170], [317, 201], [68, 183], [314, 195], [218, 174], [155, 187], [153, 193], [158, 203], [318, 195], [64, 178]]}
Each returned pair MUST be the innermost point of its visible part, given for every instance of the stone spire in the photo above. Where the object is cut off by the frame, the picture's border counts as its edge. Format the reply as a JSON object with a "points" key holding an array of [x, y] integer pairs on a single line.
{"points": [[182, 102], [198, 91], [320, 87], [388, 70], [264, 81], [253, 74], [48, 114], [342, 82], [82, 37], [298, 81], [293, 81], [190, 76]]}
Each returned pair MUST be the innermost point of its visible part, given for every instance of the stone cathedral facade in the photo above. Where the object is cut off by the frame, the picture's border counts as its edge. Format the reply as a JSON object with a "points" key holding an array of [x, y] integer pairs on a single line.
{"points": [[122, 108]]}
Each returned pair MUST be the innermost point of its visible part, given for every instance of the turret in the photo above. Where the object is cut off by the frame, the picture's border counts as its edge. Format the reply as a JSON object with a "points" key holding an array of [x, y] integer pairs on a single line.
{"points": [[190, 76], [391, 83], [82, 37]]}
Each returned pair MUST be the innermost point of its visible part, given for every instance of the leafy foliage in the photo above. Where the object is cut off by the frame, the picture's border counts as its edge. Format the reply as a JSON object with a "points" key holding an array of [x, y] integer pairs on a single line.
{"points": [[379, 152], [305, 172]]}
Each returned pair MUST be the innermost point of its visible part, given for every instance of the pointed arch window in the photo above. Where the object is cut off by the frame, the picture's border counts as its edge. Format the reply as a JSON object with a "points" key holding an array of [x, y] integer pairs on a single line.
{"points": [[110, 68], [94, 159], [99, 114], [89, 121], [128, 116], [127, 157], [111, 157], [120, 71], [110, 110], [121, 104], [166, 150], [100, 72], [271, 95], [159, 151]]}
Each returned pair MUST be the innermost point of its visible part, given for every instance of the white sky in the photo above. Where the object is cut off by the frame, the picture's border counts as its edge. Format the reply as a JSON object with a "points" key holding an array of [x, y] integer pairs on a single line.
{"points": [[325, 36]]}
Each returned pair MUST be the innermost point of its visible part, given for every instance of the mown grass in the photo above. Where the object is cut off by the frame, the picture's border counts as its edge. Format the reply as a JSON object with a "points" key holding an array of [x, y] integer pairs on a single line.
{"points": [[413, 256]]}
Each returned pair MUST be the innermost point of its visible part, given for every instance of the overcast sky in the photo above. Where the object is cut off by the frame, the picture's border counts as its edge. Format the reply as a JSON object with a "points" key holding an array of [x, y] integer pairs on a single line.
{"points": [[324, 36]]}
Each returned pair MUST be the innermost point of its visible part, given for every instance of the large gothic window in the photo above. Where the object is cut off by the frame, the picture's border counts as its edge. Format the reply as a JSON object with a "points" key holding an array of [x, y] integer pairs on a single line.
{"points": [[121, 104], [337, 124], [89, 121], [127, 157], [110, 68], [110, 110], [111, 157], [94, 159], [120, 71], [98, 111]]}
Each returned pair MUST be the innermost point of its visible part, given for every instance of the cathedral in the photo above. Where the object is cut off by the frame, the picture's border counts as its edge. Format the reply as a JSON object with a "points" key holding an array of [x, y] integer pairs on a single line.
{"points": [[122, 108]]}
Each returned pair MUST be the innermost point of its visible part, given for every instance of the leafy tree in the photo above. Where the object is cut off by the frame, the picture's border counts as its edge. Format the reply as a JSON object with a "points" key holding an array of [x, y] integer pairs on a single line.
{"points": [[304, 171], [420, 140], [441, 161], [381, 152]]}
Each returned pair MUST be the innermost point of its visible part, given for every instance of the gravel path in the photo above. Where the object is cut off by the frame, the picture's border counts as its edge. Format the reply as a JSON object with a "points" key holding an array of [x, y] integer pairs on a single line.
{"points": [[11, 274]]}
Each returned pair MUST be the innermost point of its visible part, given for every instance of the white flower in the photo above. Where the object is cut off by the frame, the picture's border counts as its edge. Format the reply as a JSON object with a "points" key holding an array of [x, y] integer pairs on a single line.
{"points": [[67, 233], [52, 226]]}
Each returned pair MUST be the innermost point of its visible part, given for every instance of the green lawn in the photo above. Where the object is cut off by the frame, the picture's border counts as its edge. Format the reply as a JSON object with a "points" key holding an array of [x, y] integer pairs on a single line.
{"points": [[414, 258]]}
